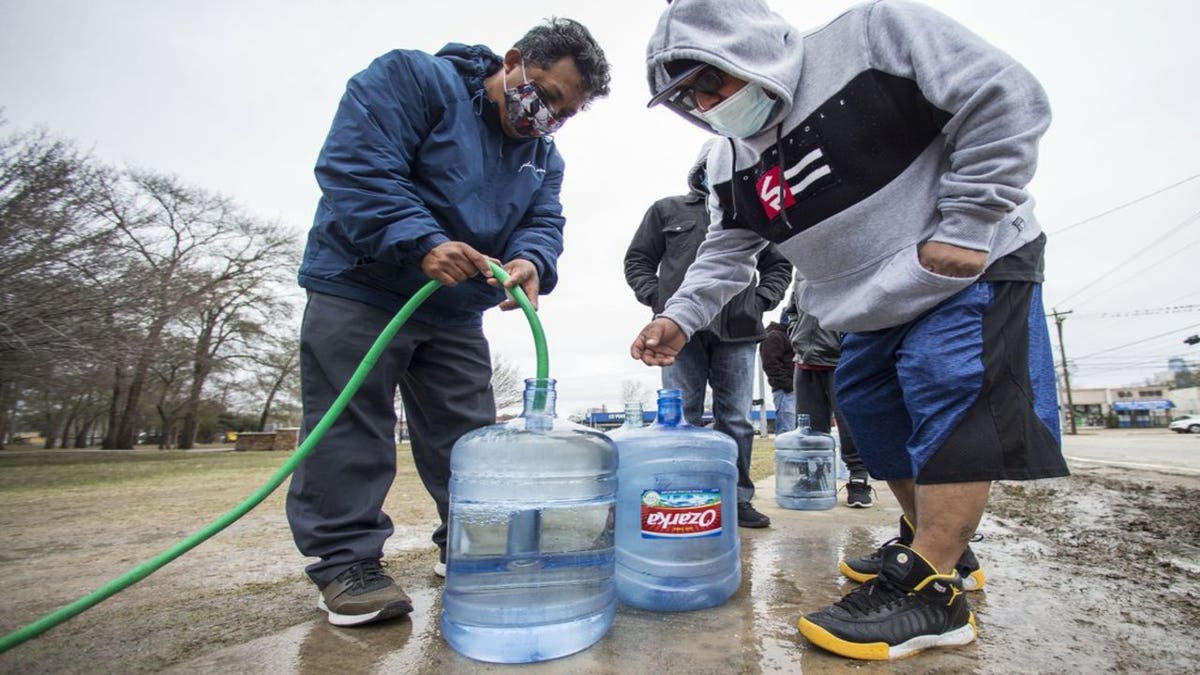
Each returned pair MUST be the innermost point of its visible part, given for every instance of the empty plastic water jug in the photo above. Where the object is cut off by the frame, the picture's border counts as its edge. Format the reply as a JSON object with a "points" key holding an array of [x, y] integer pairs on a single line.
{"points": [[677, 540], [632, 420], [529, 568], [805, 468]]}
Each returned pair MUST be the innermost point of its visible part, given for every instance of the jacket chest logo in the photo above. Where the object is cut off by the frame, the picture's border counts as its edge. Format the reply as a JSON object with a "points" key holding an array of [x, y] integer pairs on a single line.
{"points": [[783, 185]]}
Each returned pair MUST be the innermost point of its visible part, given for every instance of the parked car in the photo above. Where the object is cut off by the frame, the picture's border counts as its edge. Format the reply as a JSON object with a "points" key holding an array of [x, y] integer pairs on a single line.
{"points": [[1185, 424]]}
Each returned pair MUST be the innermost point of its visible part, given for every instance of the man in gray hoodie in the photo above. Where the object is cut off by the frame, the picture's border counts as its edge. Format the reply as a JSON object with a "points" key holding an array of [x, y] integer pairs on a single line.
{"points": [[887, 155]]}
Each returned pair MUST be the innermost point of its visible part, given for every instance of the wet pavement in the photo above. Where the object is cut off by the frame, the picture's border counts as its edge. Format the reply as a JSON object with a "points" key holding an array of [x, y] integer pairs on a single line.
{"points": [[787, 569], [1096, 573]]}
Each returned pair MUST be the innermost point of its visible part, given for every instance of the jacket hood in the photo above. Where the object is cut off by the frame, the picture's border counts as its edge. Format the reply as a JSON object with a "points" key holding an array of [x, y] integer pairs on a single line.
{"points": [[695, 178], [741, 37], [473, 62]]}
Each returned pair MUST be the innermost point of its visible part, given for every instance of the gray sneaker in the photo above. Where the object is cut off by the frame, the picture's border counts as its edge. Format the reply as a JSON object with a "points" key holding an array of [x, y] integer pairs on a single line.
{"points": [[362, 594]]}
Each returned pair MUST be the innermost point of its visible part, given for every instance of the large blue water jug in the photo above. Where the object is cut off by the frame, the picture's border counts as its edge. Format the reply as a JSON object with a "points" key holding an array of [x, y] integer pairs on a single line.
{"points": [[529, 566], [677, 540], [805, 468]]}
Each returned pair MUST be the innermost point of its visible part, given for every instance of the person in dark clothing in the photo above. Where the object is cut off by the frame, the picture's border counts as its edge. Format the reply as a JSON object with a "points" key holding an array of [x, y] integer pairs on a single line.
{"points": [[775, 352], [816, 355], [721, 355], [435, 165]]}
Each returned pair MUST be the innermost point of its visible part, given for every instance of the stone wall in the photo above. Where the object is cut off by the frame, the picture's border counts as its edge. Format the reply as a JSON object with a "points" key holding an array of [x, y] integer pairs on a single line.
{"points": [[281, 439]]}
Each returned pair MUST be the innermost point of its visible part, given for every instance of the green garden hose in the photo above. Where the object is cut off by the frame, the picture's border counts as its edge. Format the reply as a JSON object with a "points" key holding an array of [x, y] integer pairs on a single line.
{"points": [[152, 565]]}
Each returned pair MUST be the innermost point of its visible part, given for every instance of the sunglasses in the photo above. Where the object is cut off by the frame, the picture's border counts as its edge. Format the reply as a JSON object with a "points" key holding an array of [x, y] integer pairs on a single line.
{"points": [[709, 81]]}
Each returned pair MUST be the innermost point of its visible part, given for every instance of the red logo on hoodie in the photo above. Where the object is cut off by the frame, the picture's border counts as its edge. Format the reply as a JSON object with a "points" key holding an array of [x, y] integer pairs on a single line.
{"points": [[774, 193]]}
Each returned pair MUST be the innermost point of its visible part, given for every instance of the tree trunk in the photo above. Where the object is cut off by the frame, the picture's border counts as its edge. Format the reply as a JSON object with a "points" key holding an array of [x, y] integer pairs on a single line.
{"points": [[191, 409], [126, 433], [266, 411], [6, 396], [114, 407], [64, 438], [201, 368], [83, 433]]}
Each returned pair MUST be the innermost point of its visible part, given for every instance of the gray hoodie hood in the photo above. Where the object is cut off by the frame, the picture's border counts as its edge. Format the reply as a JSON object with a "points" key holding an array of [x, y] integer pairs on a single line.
{"points": [[699, 170], [711, 31]]}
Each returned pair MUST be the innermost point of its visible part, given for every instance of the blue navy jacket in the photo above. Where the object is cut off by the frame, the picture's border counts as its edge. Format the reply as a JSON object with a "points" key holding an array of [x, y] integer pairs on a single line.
{"points": [[416, 157]]}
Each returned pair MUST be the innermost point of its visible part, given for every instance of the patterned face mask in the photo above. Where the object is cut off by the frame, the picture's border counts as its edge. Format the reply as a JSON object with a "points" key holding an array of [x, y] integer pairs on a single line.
{"points": [[527, 111]]}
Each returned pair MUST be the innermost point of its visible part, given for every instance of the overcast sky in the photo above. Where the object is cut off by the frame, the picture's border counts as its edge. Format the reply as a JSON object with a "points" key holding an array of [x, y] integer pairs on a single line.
{"points": [[236, 97]]}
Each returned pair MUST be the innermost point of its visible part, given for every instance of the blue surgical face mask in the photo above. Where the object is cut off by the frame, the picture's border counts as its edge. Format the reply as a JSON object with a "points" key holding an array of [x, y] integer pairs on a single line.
{"points": [[741, 115]]}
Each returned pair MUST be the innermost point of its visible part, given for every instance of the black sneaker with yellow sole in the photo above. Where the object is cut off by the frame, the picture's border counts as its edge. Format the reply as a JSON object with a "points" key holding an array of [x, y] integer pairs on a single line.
{"points": [[908, 607], [864, 568]]}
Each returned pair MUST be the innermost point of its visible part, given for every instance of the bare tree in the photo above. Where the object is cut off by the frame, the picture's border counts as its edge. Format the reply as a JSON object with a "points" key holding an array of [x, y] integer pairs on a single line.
{"points": [[104, 274], [507, 384], [278, 371], [238, 310], [48, 242], [185, 244], [634, 391]]}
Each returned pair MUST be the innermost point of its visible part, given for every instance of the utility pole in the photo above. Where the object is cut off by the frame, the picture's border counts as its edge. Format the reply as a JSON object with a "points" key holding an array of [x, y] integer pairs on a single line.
{"points": [[1062, 352]]}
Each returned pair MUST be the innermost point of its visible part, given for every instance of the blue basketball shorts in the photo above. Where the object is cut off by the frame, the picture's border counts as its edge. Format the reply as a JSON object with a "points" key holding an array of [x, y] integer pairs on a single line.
{"points": [[966, 392]]}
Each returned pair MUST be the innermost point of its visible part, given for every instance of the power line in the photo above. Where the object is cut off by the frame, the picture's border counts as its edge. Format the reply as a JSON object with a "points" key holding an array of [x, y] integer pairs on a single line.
{"points": [[1139, 342], [1173, 309], [1106, 276], [1122, 206]]}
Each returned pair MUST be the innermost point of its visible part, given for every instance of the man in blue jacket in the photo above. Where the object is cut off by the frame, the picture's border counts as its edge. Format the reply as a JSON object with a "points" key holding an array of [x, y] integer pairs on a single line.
{"points": [[435, 163]]}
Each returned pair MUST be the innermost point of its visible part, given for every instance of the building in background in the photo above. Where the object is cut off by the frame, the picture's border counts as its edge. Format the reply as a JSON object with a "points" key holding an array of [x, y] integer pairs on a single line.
{"points": [[1123, 407]]}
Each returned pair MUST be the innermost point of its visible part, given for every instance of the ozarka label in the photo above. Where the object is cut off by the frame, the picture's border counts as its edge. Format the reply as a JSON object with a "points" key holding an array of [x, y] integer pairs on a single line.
{"points": [[677, 514]]}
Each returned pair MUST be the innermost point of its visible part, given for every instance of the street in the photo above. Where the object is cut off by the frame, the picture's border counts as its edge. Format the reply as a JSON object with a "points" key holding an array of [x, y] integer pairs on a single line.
{"points": [[1143, 449]]}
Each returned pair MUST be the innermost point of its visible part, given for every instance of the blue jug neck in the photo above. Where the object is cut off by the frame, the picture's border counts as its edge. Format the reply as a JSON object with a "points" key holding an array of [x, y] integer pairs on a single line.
{"points": [[803, 423], [670, 408], [539, 403]]}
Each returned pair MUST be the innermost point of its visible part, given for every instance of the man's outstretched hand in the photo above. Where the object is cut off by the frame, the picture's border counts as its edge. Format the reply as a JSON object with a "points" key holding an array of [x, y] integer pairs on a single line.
{"points": [[658, 343]]}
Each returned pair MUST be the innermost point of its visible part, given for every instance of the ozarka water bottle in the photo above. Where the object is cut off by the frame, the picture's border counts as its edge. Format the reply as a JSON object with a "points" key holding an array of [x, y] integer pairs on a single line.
{"points": [[529, 568], [677, 540], [804, 468]]}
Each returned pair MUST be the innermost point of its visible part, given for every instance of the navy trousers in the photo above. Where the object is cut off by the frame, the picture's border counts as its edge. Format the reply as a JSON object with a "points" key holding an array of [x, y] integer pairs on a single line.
{"points": [[335, 499]]}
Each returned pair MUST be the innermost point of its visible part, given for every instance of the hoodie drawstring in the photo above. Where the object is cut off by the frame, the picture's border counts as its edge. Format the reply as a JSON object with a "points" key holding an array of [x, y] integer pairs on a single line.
{"points": [[782, 181], [732, 174], [779, 163]]}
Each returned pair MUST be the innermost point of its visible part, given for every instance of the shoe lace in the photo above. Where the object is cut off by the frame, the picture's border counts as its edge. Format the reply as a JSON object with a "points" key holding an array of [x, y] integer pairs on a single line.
{"points": [[364, 574], [864, 485], [872, 595]]}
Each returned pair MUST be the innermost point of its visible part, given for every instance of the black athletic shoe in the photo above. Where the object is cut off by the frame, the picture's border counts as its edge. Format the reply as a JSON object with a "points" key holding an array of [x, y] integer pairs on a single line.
{"points": [[749, 517], [362, 594], [865, 568], [969, 569], [908, 607], [858, 493]]}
